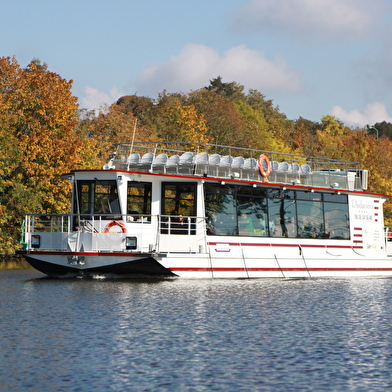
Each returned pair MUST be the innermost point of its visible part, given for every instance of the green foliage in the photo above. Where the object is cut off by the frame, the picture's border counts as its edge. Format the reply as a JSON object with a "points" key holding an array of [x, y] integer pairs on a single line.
{"points": [[231, 90], [382, 129]]}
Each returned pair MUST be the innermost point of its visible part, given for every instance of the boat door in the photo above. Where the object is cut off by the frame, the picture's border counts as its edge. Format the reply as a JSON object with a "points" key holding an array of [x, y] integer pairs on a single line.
{"points": [[180, 229]]}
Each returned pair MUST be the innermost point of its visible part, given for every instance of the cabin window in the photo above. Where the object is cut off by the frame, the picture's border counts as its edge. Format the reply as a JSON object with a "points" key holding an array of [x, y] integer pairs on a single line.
{"points": [[139, 201], [310, 219], [337, 220], [282, 218], [106, 198], [250, 211], [179, 198], [96, 197], [221, 210], [310, 214]]}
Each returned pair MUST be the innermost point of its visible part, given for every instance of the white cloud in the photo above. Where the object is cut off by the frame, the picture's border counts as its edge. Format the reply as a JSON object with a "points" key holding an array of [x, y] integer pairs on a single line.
{"points": [[373, 113], [313, 19], [94, 98], [196, 64]]}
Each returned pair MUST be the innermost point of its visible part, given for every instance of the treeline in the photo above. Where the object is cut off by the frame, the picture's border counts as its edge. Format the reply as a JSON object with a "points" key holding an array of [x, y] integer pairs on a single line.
{"points": [[44, 134]]}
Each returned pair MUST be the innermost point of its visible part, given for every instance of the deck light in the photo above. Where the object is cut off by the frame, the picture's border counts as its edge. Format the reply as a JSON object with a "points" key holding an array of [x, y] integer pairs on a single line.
{"points": [[35, 241], [130, 243]]}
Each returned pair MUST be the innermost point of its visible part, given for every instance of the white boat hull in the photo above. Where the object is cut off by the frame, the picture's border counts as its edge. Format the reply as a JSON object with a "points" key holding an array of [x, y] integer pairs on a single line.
{"points": [[204, 266]]}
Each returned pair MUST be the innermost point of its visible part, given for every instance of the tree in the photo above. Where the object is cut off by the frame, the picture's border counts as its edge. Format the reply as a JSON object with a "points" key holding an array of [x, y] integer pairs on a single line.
{"points": [[176, 121], [279, 127], [382, 129], [38, 143], [331, 138], [304, 137], [140, 107], [231, 90]]}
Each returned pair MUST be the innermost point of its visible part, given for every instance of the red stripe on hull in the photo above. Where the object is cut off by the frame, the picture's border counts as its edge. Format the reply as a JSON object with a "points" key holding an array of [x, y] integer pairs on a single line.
{"points": [[285, 245], [276, 269]]}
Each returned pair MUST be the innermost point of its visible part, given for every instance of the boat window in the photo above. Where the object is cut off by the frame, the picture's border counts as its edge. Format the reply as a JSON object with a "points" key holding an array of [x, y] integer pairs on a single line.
{"points": [[139, 201], [255, 211], [282, 217], [336, 221], [280, 194], [221, 210], [310, 219], [179, 199], [308, 195], [106, 198], [252, 213], [96, 197], [335, 198]]}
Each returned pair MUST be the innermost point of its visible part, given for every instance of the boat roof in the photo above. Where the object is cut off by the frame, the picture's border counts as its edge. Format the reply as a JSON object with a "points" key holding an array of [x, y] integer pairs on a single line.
{"points": [[244, 164]]}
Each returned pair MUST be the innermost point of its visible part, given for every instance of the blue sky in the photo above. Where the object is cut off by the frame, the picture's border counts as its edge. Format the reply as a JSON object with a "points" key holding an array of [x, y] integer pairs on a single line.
{"points": [[311, 57]]}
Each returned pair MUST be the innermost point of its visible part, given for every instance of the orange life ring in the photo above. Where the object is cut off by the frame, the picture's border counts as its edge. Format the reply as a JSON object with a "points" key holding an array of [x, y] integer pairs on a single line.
{"points": [[264, 173], [115, 223]]}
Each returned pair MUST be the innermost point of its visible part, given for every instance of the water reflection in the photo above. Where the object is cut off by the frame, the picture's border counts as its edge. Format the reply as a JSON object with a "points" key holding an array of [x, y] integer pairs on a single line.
{"points": [[194, 334]]}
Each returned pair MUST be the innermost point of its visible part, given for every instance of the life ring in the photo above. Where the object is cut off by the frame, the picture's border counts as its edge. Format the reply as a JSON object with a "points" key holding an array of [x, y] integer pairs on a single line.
{"points": [[264, 173], [115, 223]]}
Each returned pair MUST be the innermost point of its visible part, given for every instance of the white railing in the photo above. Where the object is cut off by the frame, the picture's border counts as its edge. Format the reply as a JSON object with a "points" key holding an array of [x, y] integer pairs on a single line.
{"points": [[201, 159], [151, 233]]}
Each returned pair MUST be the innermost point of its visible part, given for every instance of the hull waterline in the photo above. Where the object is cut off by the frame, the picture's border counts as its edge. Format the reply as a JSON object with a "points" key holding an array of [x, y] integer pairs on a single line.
{"points": [[145, 266]]}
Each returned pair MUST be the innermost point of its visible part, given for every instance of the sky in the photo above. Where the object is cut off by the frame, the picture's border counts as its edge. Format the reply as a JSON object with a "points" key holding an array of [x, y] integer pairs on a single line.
{"points": [[312, 58]]}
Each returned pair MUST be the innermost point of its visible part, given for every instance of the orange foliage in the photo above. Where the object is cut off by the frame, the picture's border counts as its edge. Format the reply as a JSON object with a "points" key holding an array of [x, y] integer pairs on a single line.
{"points": [[38, 144]]}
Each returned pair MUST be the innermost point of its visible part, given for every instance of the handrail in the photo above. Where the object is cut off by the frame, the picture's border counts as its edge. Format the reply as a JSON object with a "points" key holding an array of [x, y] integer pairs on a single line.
{"points": [[97, 223], [213, 147]]}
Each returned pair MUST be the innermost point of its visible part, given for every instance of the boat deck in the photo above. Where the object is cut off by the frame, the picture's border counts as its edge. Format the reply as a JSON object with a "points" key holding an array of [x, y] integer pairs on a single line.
{"points": [[206, 160]]}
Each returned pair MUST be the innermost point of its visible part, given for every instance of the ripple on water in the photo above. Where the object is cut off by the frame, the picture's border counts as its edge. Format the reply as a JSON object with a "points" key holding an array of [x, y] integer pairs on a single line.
{"points": [[196, 335]]}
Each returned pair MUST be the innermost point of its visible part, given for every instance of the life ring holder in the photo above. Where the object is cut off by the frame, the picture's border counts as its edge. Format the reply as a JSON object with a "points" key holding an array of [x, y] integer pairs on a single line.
{"points": [[264, 173], [115, 223]]}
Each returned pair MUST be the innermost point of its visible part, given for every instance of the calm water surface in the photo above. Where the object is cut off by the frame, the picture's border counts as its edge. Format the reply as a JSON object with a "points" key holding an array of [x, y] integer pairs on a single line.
{"points": [[194, 335]]}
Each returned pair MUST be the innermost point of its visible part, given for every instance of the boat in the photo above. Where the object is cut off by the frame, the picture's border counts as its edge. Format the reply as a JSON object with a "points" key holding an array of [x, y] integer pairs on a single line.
{"points": [[195, 210]]}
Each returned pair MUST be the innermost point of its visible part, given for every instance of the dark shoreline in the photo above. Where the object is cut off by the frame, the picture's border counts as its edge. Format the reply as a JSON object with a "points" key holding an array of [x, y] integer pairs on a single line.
{"points": [[13, 262]]}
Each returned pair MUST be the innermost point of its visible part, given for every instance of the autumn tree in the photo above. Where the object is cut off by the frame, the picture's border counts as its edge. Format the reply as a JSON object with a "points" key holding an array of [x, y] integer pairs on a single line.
{"points": [[179, 121], [304, 137], [38, 144], [140, 107]]}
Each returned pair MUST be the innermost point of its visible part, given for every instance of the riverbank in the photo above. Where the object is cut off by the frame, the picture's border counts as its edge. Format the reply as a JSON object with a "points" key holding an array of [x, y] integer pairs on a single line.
{"points": [[10, 263]]}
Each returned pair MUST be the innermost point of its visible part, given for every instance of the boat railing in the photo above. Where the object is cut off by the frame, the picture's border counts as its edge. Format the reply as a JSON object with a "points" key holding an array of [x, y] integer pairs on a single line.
{"points": [[112, 232], [200, 159], [99, 223]]}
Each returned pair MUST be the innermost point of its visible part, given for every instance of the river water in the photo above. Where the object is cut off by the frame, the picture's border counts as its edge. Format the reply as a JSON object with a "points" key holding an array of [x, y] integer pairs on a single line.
{"points": [[194, 335]]}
